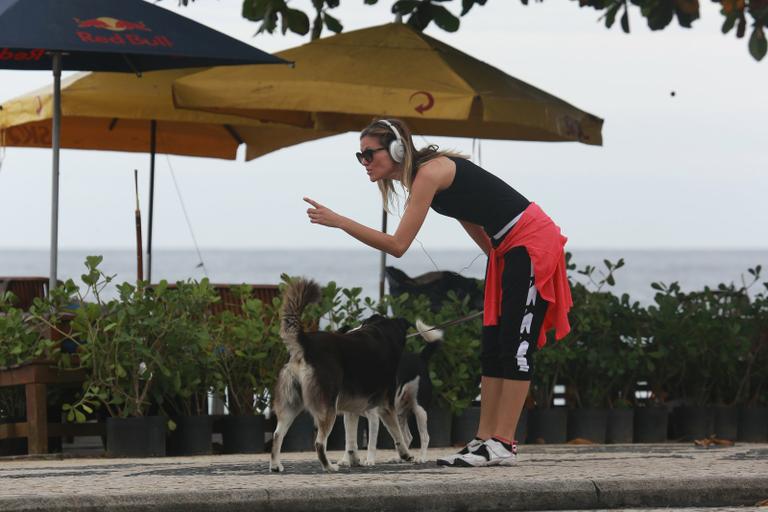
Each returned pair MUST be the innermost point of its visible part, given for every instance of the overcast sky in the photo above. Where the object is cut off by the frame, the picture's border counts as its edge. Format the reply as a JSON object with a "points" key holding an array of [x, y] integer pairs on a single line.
{"points": [[682, 171]]}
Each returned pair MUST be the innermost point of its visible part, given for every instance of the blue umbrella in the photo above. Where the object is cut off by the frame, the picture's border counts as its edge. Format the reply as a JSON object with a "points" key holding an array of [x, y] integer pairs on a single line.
{"points": [[93, 35]]}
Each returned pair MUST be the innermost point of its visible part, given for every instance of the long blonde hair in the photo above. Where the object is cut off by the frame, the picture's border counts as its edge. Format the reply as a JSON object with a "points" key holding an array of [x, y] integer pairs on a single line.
{"points": [[412, 160]]}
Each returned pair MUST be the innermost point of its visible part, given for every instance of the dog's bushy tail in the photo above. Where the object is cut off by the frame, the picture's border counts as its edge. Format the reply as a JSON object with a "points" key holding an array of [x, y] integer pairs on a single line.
{"points": [[432, 336], [297, 296]]}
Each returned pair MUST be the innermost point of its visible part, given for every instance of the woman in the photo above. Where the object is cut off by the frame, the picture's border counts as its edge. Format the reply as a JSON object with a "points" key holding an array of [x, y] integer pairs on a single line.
{"points": [[526, 289]]}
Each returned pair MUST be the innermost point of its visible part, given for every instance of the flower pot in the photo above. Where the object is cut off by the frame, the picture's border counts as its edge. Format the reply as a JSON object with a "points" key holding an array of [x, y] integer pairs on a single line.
{"points": [[620, 426], [589, 424], [438, 427], [13, 446], [753, 424], [726, 422], [651, 424], [301, 436], [464, 426], [192, 436], [521, 433], [439, 422], [243, 434], [547, 426], [692, 422], [142, 436]]}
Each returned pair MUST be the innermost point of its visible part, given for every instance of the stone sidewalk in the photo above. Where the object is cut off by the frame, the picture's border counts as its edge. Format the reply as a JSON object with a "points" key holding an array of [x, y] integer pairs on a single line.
{"points": [[553, 477]]}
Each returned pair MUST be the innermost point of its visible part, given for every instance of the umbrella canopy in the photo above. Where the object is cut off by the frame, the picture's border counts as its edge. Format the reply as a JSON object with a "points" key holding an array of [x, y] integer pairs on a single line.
{"points": [[145, 37], [391, 70], [114, 111], [121, 112], [93, 35]]}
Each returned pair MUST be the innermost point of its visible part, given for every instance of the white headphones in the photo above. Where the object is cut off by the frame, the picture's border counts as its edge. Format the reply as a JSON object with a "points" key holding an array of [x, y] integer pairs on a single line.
{"points": [[397, 146]]}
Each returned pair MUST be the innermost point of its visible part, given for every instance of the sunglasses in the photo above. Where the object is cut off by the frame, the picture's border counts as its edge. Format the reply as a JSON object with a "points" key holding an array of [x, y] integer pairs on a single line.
{"points": [[366, 156]]}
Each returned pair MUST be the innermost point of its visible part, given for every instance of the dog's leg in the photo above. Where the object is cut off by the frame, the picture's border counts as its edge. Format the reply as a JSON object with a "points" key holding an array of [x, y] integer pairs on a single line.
{"points": [[324, 426], [284, 420], [389, 418], [373, 436], [421, 421], [350, 446], [402, 418]]}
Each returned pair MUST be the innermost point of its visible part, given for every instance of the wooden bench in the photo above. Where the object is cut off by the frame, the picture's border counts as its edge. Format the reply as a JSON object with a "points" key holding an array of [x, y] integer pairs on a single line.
{"points": [[35, 377], [230, 302], [26, 289]]}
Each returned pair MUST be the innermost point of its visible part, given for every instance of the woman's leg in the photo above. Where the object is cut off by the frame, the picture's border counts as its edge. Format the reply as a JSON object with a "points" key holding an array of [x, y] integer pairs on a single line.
{"points": [[513, 394], [490, 397]]}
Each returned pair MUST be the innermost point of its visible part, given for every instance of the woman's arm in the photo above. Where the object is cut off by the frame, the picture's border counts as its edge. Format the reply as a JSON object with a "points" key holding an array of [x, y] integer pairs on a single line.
{"points": [[478, 234], [422, 191]]}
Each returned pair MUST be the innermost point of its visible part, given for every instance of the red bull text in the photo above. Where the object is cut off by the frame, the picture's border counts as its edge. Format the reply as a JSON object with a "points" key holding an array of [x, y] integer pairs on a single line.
{"points": [[6, 54], [118, 38]]}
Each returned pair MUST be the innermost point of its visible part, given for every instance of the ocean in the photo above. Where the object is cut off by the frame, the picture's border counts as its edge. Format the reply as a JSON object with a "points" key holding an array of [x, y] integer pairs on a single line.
{"points": [[693, 269]]}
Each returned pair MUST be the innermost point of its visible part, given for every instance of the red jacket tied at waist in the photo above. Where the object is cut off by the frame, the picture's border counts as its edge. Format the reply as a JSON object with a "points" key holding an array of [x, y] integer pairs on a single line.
{"points": [[542, 239]]}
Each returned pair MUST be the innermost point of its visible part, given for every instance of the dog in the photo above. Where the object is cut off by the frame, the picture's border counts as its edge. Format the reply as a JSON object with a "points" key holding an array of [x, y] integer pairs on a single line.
{"points": [[413, 396], [331, 372]]}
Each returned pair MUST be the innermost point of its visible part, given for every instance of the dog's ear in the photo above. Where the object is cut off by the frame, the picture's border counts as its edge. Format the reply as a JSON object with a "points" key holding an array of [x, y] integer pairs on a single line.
{"points": [[373, 319]]}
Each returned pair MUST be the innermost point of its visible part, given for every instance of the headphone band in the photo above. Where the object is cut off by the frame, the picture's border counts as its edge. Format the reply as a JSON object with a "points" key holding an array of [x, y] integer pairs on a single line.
{"points": [[391, 126]]}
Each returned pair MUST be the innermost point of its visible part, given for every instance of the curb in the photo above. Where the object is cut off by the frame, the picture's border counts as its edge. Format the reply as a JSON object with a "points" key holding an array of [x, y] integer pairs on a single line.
{"points": [[493, 495]]}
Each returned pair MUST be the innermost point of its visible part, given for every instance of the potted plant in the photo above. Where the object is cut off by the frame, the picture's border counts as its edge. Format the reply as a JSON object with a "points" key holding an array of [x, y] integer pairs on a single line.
{"points": [[603, 362], [247, 356], [189, 352], [124, 345], [753, 387]]}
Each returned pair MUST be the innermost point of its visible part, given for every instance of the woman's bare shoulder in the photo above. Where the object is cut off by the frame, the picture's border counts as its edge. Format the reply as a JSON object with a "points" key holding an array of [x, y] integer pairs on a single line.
{"points": [[439, 170]]}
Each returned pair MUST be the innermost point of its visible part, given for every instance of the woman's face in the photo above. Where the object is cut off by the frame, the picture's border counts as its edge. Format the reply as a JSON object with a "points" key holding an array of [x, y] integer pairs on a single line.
{"points": [[380, 165]]}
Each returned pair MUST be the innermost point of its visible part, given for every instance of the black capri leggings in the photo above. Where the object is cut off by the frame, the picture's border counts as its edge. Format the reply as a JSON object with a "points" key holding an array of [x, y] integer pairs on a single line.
{"points": [[508, 347]]}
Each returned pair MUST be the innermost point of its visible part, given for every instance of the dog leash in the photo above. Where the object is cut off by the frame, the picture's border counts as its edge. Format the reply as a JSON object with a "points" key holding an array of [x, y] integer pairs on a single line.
{"points": [[449, 323]]}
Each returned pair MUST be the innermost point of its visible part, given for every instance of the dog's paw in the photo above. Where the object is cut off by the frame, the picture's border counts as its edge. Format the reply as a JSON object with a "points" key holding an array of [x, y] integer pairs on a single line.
{"points": [[406, 457], [276, 468], [332, 468], [369, 462], [351, 461], [420, 460]]}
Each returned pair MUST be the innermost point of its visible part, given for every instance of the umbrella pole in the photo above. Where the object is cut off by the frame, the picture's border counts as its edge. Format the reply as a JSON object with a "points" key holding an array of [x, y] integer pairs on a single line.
{"points": [[152, 153], [383, 263], [55, 145], [139, 251]]}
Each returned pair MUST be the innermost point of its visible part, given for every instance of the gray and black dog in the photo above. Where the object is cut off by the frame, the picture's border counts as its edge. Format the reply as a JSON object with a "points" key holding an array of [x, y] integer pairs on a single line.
{"points": [[332, 372]]}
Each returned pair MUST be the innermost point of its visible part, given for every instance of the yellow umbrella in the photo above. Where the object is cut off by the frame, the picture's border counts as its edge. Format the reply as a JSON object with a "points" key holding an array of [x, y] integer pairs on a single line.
{"points": [[391, 70], [114, 111], [122, 112]]}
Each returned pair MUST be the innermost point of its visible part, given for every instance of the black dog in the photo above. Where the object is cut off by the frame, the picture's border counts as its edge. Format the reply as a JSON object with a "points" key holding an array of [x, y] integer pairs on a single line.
{"points": [[414, 395], [330, 372]]}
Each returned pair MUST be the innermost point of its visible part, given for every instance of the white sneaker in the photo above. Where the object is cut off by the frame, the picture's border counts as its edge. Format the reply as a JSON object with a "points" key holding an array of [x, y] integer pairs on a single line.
{"points": [[490, 453], [471, 446]]}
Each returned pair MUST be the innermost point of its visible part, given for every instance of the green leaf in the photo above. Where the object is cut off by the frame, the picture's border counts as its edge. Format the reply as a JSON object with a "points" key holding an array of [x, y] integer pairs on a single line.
{"points": [[332, 23], [625, 21], [729, 22], [445, 19], [295, 20], [254, 10], [757, 44]]}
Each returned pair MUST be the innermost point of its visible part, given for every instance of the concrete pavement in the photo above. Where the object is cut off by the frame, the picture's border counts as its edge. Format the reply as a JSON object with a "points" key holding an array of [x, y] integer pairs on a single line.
{"points": [[546, 477]]}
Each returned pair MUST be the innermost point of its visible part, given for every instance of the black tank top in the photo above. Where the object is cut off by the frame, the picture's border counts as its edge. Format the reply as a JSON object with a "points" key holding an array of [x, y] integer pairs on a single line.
{"points": [[479, 197]]}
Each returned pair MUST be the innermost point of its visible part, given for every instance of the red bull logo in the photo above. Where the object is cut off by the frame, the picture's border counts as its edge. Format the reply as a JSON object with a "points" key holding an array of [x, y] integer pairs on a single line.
{"points": [[121, 35], [6, 54], [113, 24]]}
